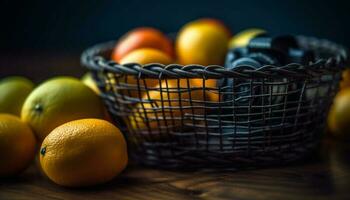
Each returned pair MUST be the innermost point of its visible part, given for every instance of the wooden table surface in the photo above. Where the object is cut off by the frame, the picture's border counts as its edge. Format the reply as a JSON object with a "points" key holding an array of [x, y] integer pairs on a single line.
{"points": [[324, 176]]}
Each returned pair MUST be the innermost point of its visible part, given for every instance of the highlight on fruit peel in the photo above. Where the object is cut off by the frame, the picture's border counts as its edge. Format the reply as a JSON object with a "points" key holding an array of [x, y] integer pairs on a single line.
{"points": [[13, 92], [83, 153]]}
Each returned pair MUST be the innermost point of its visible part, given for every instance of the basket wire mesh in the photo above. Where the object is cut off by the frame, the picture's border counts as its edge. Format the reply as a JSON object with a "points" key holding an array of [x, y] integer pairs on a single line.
{"points": [[174, 116]]}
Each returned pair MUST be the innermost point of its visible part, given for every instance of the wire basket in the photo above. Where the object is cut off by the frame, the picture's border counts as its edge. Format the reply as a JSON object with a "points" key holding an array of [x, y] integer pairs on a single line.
{"points": [[173, 116]]}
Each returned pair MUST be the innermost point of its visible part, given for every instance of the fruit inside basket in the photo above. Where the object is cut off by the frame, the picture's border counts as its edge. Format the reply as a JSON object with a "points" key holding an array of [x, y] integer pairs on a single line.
{"points": [[264, 101]]}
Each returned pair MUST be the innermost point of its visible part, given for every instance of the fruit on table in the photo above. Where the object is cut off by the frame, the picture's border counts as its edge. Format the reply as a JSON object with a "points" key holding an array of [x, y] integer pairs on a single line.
{"points": [[83, 153], [13, 92], [57, 101], [143, 56], [339, 115], [90, 82], [144, 37], [17, 145], [242, 38], [202, 42], [157, 103]]}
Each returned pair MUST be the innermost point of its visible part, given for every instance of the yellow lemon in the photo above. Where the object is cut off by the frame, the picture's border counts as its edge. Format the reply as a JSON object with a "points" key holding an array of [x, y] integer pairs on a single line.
{"points": [[242, 38], [17, 145], [13, 92], [58, 101], [83, 152]]}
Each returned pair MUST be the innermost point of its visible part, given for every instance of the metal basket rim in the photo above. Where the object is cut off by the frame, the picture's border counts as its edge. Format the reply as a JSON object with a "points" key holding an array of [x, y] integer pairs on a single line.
{"points": [[93, 60]]}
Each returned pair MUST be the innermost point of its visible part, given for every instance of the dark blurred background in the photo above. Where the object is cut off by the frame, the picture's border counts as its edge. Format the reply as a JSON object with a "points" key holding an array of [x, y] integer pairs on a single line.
{"points": [[53, 33]]}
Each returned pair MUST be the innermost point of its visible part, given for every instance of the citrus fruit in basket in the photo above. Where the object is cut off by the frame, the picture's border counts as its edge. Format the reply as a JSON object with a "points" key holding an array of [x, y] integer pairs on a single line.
{"points": [[211, 88], [203, 42], [171, 105], [214, 22], [17, 145], [57, 101], [90, 82], [143, 56], [242, 38], [339, 115], [13, 92], [144, 37], [83, 152]]}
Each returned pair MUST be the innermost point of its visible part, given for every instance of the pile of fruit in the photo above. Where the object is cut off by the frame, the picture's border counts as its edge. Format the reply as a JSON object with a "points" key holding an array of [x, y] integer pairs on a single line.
{"points": [[203, 41], [63, 121], [65, 124]]}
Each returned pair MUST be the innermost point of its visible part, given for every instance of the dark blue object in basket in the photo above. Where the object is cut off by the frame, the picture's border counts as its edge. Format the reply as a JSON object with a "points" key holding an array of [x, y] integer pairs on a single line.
{"points": [[244, 58], [244, 97], [273, 44], [284, 48]]}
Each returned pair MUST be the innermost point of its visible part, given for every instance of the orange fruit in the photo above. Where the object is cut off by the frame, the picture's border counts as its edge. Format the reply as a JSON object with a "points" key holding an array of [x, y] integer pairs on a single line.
{"points": [[202, 42], [219, 24], [17, 145], [210, 88], [151, 110], [339, 115], [143, 56], [57, 101], [83, 153], [144, 37]]}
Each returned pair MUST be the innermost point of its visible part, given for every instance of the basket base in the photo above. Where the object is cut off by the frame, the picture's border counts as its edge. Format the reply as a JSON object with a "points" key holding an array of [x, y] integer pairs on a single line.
{"points": [[197, 159]]}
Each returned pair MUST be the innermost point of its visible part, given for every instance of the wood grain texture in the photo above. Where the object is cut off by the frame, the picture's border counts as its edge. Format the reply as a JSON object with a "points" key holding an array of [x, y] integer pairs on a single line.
{"points": [[324, 177]]}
